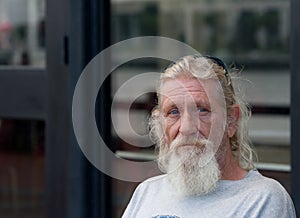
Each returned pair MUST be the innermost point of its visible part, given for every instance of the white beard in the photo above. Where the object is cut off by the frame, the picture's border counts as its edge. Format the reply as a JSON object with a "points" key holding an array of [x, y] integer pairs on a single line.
{"points": [[193, 169]]}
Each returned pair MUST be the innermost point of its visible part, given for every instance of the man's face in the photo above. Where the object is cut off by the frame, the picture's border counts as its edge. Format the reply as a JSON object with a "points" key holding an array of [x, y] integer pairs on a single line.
{"points": [[188, 115], [186, 108]]}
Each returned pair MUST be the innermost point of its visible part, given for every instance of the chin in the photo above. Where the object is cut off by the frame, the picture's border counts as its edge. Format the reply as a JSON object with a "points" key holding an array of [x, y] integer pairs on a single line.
{"points": [[191, 174]]}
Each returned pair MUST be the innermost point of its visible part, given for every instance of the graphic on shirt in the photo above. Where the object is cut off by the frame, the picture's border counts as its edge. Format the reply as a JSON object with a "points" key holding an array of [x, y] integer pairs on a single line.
{"points": [[165, 216]]}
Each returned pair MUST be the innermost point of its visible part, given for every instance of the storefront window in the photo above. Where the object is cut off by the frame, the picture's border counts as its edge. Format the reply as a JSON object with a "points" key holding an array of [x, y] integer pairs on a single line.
{"points": [[251, 35], [22, 168], [22, 32]]}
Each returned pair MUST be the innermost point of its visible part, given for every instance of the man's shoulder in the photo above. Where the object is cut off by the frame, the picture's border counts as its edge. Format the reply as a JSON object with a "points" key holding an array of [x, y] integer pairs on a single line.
{"points": [[264, 183], [151, 186], [268, 189], [153, 181], [274, 195], [254, 185]]}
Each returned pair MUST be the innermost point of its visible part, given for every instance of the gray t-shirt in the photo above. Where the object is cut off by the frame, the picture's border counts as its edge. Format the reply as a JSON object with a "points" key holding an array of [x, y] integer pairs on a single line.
{"points": [[252, 196]]}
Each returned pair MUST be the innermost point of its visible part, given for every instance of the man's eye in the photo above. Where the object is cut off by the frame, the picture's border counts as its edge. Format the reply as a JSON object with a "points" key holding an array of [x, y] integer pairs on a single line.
{"points": [[202, 110], [173, 112]]}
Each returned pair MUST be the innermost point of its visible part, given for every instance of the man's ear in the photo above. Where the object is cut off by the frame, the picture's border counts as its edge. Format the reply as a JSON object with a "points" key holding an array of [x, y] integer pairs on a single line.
{"points": [[233, 115]]}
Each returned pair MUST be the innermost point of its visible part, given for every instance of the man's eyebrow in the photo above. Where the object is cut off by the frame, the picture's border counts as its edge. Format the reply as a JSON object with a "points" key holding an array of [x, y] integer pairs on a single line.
{"points": [[169, 104], [201, 102]]}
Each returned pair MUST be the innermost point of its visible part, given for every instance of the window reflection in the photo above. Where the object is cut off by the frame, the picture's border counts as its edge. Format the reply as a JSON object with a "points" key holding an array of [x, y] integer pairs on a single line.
{"points": [[251, 35], [22, 167], [22, 32]]}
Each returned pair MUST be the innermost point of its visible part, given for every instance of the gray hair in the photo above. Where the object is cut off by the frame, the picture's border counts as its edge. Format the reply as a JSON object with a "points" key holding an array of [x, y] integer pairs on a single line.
{"points": [[204, 68]]}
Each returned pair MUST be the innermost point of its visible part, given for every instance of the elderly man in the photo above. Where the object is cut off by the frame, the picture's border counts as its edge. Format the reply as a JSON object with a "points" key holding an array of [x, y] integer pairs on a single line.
{"points": [[200, 128]]}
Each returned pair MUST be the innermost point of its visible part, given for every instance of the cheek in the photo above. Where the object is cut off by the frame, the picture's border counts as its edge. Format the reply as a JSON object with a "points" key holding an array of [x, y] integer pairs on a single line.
{"points": [[205, 130], [204, 126], [171, 130], [172, 127]]}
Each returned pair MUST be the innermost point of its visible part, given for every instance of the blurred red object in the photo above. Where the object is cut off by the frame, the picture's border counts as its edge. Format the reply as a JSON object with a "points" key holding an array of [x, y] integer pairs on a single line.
{"points": [[5, 26]]}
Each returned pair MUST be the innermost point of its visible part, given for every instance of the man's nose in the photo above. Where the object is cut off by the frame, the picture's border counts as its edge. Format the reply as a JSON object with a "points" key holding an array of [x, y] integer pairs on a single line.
{"points": [[188, 124]]}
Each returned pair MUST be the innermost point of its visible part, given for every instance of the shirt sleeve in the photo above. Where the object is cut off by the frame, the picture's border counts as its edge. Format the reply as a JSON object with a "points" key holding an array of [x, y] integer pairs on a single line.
{"points": [[276, 202]]}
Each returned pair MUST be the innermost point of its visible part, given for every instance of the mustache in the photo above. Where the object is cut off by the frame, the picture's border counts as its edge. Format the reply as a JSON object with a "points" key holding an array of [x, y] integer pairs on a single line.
{"points": [[182, 140], [172, 156]]}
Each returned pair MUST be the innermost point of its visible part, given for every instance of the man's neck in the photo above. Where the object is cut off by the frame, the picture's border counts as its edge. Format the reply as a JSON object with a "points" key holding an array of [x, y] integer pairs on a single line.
{"points": [[231, 169]]}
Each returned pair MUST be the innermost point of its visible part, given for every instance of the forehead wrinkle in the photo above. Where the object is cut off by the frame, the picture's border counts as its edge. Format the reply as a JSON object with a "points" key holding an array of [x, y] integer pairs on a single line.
{"points": [[192, 87], [184, 84], [186, 87]]}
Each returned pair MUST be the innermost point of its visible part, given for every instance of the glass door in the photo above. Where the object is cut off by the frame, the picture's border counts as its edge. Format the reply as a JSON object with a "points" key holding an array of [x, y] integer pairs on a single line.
{"points": [[22, 110], [252, 36]]}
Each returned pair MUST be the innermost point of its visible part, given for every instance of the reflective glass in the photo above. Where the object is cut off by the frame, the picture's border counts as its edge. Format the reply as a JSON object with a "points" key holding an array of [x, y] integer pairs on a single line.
{"points": [[252, 36], [22, 168], [22, 32]]}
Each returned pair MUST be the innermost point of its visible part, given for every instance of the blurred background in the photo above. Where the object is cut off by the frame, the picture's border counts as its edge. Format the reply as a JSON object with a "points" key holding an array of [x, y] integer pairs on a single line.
{"points": [[44, 46]]}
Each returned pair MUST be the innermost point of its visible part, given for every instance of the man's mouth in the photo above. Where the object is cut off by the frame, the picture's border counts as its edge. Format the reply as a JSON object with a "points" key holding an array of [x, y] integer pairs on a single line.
{"points": [[194, 146]]}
